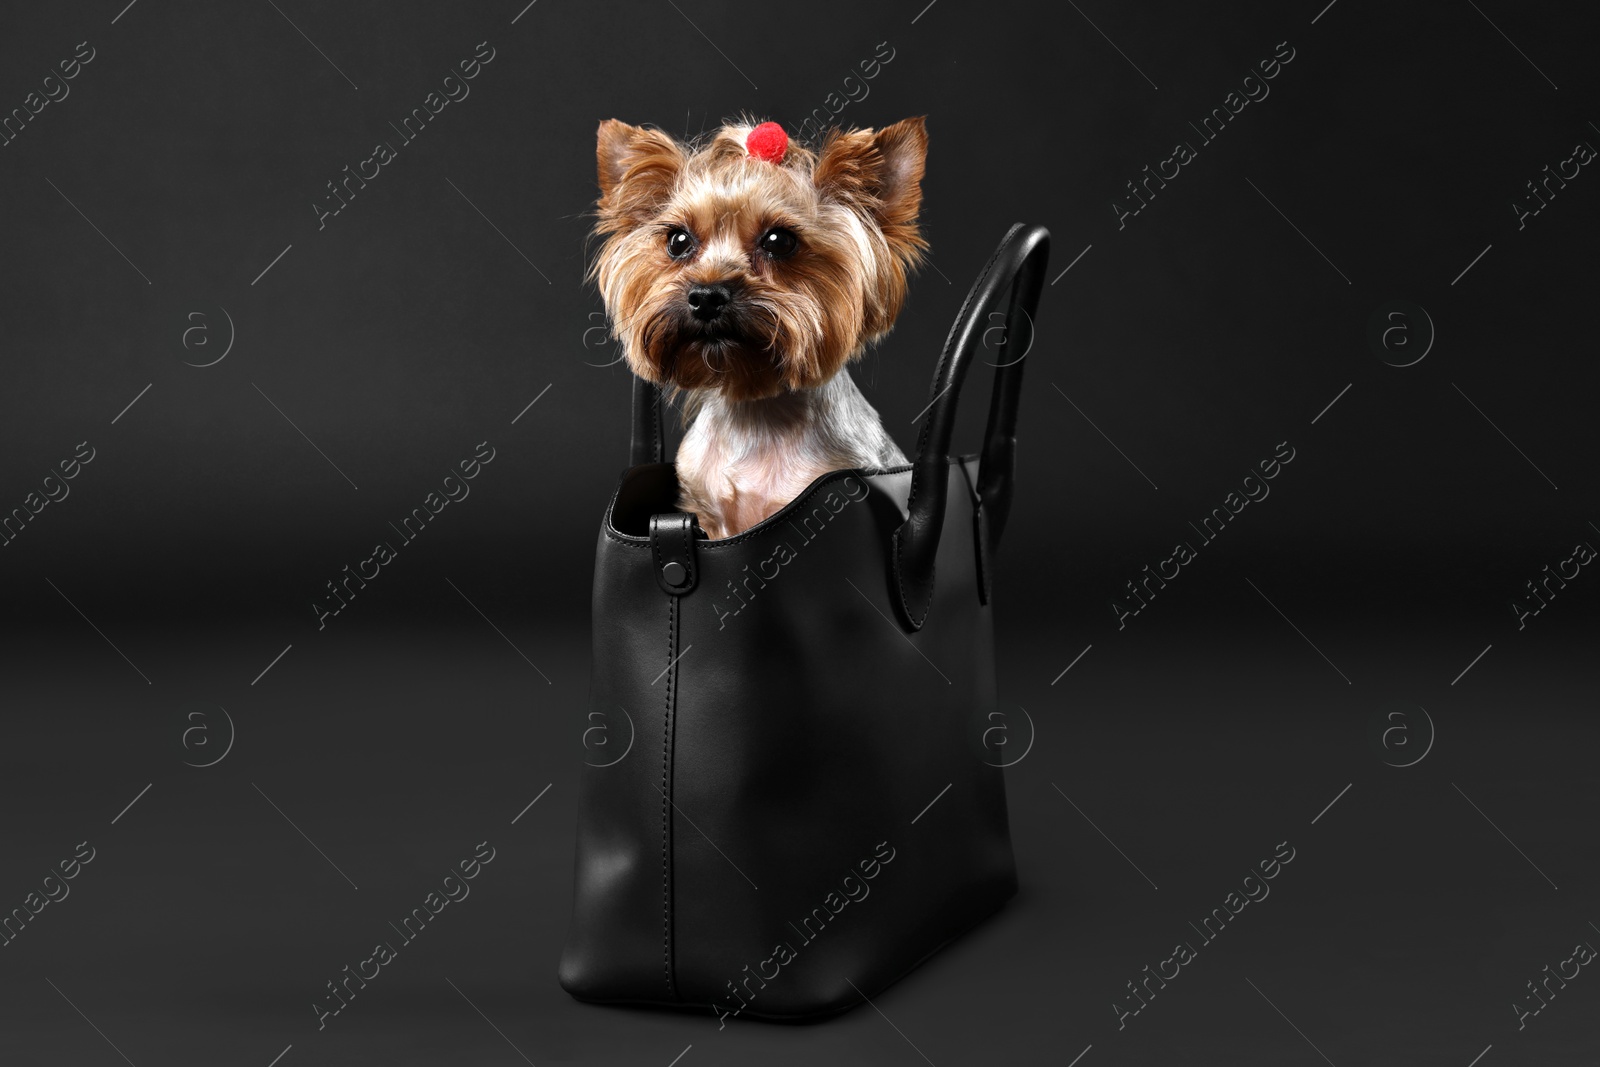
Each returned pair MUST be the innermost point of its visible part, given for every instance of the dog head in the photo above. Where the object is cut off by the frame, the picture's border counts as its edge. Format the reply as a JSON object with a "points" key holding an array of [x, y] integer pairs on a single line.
{"points": [[752, 266]]}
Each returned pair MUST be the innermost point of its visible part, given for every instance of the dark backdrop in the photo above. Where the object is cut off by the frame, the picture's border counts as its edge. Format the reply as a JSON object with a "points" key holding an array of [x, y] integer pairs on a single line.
{"points": [[162, 212]]}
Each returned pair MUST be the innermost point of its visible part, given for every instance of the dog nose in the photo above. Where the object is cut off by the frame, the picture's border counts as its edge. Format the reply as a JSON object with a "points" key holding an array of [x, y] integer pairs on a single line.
{"points": [[707, 301]]}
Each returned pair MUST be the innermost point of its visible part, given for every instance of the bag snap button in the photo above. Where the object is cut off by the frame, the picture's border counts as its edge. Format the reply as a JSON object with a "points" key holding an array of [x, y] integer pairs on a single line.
{"points": [[674, 574]]}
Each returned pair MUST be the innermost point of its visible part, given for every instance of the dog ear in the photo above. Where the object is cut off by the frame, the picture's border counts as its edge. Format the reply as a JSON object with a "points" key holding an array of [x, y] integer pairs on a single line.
{"points": [[879, 171], [637, 169]]}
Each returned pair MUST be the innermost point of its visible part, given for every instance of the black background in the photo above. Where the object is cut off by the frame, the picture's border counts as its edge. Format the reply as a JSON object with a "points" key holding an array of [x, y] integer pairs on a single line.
{"points": [[424, 318]]}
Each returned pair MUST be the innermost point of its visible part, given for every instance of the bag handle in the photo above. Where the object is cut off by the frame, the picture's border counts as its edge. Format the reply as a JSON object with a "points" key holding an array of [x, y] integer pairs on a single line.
{"points": [[645, 443], [1017, 266]]}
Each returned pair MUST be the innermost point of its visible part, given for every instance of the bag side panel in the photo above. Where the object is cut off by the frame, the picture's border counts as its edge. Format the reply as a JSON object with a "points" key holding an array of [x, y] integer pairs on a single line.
{"points": [[620, 944]]}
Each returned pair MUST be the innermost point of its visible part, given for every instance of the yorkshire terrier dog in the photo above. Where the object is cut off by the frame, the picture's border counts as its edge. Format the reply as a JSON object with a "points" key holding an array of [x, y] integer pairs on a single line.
{"points": [[742, 273]]}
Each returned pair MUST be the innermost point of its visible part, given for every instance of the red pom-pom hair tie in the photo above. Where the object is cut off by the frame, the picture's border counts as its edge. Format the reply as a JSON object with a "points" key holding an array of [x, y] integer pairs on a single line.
{"points": [[767, 142]]}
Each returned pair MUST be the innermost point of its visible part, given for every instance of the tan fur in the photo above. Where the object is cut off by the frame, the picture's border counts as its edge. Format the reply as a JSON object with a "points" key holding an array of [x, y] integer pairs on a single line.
{"points": [[764, 425]]}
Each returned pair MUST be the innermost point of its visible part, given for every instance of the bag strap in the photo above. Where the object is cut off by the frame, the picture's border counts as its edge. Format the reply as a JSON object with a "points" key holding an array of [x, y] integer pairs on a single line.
{"points": [[672, 548], [645, 445], [1017, 266]]}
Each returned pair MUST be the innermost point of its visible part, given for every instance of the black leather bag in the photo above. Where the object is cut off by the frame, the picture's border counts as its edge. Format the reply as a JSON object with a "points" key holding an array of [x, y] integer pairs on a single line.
{"points": [[791, 809]]}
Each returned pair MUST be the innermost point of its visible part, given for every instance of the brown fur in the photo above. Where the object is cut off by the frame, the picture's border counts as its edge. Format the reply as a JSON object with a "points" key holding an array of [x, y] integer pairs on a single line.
{"points": [[793, 323]]}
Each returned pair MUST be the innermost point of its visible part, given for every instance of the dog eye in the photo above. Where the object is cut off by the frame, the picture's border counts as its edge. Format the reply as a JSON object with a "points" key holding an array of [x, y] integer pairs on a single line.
{"points": [[779, 244], [679, 243]]}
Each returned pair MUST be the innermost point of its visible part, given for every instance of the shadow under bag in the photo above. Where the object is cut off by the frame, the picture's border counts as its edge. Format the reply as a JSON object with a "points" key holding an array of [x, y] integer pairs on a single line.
{"points": [[794, 806]]}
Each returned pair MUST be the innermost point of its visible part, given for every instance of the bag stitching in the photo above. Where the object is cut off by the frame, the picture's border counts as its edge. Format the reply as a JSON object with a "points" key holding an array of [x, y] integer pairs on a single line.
{"points": [[901, 582], [666, 748], [657, 443], [685, 548]]}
